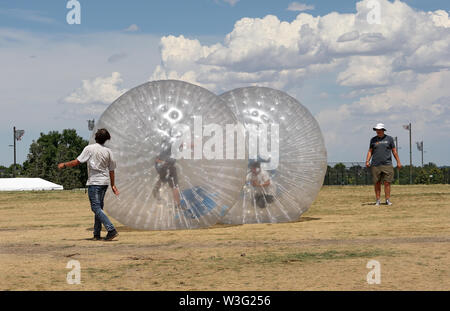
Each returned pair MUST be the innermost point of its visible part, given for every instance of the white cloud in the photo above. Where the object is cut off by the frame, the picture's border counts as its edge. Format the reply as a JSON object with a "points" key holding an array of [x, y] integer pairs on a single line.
{"points": [[422, 98], [424, 101], [45, 69], [296, 6], [407, 39], [257, 48], [230, 2], [440, 18], [96, 94], [132, 28], [349, 36], [42, 69], [393, 72], [366, 71], [381, 70]]}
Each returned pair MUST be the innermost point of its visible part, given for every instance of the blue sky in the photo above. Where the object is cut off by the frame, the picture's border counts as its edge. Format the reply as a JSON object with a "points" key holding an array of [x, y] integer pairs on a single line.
{"points": [[121, 44], [162, 17], [197, 17]]}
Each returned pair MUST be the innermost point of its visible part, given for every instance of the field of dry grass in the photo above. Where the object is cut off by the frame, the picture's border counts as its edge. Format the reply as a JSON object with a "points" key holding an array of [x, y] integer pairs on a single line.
{"points": [[327, 249]]}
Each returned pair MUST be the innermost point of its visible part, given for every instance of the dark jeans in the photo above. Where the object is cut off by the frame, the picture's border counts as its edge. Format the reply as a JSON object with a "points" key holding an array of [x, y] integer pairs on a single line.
{"points": [[168, 173], [262, 199], [96, 197]]}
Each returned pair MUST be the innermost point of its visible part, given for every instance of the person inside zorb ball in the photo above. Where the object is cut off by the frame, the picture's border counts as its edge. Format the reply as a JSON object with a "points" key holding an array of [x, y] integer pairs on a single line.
{"points": [[172, 172], [286, 152], [165, 166], [262, 185]]}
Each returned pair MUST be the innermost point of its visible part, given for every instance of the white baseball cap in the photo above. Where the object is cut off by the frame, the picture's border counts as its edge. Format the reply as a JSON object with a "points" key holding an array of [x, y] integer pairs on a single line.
{"points": [[379, 126]]}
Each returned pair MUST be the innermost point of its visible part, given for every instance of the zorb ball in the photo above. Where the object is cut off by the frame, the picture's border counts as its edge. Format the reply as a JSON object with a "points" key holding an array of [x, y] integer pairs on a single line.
{"points": [[171, 170], [287, 156]]}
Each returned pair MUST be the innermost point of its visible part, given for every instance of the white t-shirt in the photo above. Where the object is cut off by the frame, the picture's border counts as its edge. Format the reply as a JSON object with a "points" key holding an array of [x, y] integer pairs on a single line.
{"points": [[261, 178], [100, 161]]}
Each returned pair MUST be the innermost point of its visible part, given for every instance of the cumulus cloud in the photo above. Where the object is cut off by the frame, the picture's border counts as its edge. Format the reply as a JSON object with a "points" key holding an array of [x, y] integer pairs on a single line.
{"points": [[298, 7], [407, 39], [349, 36], [366, 71], [94, 95], [230, 2], [132, 28], [383, 70]]}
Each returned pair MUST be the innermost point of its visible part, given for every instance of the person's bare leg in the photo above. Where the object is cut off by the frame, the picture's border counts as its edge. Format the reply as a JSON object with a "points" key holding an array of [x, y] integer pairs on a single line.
{"points": [[176, 196], [387, 192], [155, 191], [378, 190]]}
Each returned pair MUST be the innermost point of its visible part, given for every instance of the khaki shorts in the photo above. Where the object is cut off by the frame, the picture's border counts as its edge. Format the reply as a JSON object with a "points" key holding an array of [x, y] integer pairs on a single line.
{"points": [[382, 173]]}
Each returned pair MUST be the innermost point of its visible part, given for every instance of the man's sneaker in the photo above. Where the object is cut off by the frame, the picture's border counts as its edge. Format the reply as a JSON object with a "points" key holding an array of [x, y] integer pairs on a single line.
{"points": [[96, 238], [377, 203], [111, 235], [388, 202]]}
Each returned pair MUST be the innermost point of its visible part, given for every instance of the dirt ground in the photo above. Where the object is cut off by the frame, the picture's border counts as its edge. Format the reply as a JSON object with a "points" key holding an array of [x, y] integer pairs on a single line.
{"points": [[327, 249]]}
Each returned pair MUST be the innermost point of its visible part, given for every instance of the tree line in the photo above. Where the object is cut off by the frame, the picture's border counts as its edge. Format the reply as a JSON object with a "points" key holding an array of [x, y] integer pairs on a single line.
{"points": [[52, 148], [44, 155], [358, 174]]}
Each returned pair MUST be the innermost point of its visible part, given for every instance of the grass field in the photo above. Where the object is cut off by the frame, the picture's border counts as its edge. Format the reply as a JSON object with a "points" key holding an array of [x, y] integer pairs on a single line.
{"points": [[327, 249]]}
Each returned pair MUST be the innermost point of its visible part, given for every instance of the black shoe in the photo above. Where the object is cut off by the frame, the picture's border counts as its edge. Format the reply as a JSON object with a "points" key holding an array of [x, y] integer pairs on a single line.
{"points": [[111, 235], [96, 238]]}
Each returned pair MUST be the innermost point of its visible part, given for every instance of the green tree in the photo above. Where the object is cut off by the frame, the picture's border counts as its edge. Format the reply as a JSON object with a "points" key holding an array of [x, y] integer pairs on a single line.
{"points": [[422, 177], [404, 174], [51, 149], [7, 172], [340, 169], [436, 175], [430, 174]]}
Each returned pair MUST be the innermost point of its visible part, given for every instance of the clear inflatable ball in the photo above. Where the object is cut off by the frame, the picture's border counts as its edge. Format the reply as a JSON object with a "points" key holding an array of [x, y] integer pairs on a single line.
{"points": [[162, 141], [287, 159]]}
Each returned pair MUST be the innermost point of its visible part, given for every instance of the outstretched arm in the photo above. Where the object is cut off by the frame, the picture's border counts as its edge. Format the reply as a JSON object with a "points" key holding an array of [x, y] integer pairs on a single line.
{"points": [[68, 164]]}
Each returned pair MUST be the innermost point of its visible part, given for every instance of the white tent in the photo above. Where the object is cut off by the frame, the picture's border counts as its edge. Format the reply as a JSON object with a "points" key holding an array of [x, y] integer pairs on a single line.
{"points": [[27, 184]]}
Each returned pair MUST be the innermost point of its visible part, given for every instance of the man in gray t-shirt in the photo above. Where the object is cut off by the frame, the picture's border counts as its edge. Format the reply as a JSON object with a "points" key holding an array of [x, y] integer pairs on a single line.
{"points": [[380, 149]]}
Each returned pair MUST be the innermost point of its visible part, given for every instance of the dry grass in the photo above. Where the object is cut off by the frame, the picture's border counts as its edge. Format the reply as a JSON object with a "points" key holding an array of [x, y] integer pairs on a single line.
{"points": [[328, 249]]}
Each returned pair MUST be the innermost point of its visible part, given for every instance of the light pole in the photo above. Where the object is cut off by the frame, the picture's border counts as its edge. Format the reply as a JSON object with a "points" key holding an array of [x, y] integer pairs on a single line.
{"points": [[14, 138], [408, 127], [17, 135], [91, 124], [420, 148], [398, 170]]}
